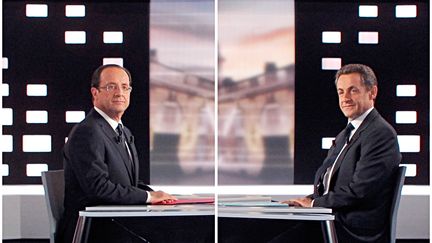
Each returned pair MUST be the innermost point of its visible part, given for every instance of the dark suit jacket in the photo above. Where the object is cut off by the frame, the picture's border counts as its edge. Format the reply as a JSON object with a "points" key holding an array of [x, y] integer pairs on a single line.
{"points": [[362, 184], [97, 171]]}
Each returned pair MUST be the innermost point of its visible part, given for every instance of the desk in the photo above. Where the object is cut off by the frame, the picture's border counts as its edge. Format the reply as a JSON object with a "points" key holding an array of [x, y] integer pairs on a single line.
{"points": [[83, 224], [285, 213]]}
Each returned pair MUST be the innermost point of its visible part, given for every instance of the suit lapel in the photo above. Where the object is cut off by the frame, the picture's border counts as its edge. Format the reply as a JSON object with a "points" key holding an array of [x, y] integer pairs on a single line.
{"points": [[367, 121], [328, 161], [113, 137], [134, 154]]}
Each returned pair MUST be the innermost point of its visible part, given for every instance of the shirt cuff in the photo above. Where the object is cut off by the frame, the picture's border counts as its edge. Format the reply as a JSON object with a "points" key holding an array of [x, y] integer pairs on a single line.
{"points": [[148, 197], [312, 203]]}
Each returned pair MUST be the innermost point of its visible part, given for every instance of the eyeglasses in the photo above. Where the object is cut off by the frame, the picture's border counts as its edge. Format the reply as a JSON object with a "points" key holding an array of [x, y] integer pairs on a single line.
{"points": [[112, 87]]}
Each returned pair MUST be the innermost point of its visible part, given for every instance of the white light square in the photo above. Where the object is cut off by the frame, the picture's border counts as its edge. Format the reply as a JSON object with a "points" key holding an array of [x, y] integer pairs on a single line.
{"points": [[6, 116], [5, 89], [37, 10], [411, 170], [406, 117], [36, 143], [406, 11], [111, 60], [406, 90], [75, 11], [331, 37], [329, 63], [112, 37], [37, 116], [409, 143], [75, 37], [5, 63], [35, 169], [326, 142], [367, 37], [37, 90], [74, 116], [368, 11], [5, 170], [6, 143]]}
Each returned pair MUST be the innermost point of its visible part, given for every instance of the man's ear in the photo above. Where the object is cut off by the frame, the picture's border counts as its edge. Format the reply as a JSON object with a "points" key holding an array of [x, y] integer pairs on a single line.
{"points": [[374, 92], [94, 91]]}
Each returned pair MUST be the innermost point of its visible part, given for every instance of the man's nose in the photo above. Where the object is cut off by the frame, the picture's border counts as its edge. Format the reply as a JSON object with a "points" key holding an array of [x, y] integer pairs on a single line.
{"points": [[346, 96], [118, 90]]}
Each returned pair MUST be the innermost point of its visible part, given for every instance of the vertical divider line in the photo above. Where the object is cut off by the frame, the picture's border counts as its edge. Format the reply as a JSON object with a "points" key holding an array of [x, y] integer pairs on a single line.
{"points": [[216, 147]]}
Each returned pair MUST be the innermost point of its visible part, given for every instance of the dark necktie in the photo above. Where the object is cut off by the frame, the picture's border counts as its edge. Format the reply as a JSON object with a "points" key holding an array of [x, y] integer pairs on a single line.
{"points": [[123, 140], [339, 144], [347, 131]]}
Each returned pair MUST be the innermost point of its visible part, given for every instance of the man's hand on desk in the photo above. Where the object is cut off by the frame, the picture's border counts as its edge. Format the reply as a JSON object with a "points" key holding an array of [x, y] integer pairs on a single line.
{"points": [[300, 202], [160, 196]]}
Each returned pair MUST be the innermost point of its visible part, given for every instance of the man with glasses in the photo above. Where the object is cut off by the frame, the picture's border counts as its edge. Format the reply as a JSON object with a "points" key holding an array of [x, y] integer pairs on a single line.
{"points": [[100, 158]]}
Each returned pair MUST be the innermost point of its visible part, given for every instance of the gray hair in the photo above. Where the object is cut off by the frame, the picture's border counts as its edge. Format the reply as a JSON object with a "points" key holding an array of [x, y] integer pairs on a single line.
{"points": [[366, 73]]}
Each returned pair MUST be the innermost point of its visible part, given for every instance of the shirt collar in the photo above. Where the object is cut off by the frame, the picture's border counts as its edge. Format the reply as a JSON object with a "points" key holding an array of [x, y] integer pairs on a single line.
{"points": [[358, 121], [113, 123]]}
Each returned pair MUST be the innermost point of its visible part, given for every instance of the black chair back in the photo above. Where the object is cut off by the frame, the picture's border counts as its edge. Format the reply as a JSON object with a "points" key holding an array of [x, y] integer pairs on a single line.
{"points": [[399, 181], [54, 186]]}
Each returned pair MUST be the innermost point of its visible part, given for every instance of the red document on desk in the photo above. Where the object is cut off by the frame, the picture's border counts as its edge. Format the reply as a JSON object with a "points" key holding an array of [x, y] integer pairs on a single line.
{"points": [[206, 200]]}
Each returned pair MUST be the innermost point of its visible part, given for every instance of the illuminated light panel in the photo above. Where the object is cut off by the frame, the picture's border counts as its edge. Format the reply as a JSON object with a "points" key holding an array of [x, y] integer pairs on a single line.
{"points": [[75, 11], [411, 170], [5, 169], [37, 10], [368, 11], [409, 143], [112, 37], [367, 37], [37, 90], [6, 116], [35, 169], [331, 37], [75, 37], [5, 63], [5, 89], [37, 116], [406, 117], [74, 116], [36, 143], [6, 143], [326, 143], [406, 11], [113, 60], [329, 63], [406, 90]]}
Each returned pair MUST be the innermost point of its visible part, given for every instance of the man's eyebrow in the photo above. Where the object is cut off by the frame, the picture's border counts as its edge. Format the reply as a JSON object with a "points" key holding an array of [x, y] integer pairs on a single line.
{"points": [[350, 87]]}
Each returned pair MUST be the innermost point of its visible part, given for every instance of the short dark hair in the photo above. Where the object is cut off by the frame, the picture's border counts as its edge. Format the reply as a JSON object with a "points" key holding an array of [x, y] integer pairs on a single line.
{"points": [[95, 81], [366, 73]]}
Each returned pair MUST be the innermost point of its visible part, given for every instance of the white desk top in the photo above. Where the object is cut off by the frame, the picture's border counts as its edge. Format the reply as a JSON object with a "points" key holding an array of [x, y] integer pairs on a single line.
{"points": [[269, 215], [148, 210], [298, 210], [244, 209], [291, 213]]}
